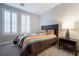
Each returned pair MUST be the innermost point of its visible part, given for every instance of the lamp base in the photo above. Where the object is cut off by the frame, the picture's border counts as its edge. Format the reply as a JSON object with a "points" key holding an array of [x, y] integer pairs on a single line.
{"points": [[67, 36]]}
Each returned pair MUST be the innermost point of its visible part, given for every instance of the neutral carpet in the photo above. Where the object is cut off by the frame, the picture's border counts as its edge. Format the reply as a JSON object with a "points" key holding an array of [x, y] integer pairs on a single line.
{"points": [[10, 49], [54, 51]]}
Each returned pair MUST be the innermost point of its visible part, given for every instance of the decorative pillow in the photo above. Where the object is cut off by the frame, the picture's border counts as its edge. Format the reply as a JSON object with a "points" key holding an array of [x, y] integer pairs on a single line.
{"points": [[50, 32], [43, 31]]}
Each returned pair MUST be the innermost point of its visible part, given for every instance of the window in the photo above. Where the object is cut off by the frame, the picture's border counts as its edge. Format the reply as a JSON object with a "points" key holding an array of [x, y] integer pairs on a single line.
{"points": [[10, 22], [23, 20], [25, 23], [6, 22], [14, 23]]}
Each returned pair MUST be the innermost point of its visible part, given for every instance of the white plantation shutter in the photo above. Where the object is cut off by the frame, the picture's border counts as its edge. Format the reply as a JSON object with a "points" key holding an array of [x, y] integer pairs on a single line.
{"points": [[11, 19], [25, 24], [7, 22], [14, 23]]}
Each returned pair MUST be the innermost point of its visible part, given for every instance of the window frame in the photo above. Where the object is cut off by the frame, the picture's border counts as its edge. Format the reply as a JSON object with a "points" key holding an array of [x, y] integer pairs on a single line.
{"points": [[28, 23], [16, 23], [11, 33], [3, 32], [21, 23], [18, 19], [25, 24]]}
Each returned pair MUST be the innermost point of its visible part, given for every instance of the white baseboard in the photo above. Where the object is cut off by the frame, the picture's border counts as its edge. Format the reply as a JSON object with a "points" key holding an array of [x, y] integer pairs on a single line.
{"points": [[5, 42]]}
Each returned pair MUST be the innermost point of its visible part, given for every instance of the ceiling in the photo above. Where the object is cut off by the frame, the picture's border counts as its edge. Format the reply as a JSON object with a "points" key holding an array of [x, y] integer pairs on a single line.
{"points": [[36, 8]]}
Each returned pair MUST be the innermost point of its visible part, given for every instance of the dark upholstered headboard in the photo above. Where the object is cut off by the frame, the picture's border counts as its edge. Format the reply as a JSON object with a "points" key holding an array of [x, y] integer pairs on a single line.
{"points": [[51, 27]]}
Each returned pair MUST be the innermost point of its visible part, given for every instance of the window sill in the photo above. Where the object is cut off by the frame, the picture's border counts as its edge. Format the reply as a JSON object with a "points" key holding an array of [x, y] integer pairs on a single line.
{"points": [[9, 34]]}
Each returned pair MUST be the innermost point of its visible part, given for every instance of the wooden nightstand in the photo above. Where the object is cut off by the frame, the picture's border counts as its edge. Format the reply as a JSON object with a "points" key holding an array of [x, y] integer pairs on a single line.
{"points": [[68, 44]]}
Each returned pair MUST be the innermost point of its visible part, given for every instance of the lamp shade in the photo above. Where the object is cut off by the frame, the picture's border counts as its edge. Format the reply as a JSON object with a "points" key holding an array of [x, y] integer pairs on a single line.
{"points": [[67, 25]]}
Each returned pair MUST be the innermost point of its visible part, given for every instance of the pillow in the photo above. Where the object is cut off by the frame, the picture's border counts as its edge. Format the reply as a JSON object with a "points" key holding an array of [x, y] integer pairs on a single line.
{"points": [[34, 34], [43, 31], [50, 32]]}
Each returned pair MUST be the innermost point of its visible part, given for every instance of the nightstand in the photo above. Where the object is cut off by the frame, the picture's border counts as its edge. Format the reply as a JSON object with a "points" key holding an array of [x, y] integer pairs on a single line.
{"points": [[69, 44]]}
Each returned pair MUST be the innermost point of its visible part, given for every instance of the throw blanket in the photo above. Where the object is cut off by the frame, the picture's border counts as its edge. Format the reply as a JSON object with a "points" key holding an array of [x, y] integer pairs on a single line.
{"points": [[32, 39]]}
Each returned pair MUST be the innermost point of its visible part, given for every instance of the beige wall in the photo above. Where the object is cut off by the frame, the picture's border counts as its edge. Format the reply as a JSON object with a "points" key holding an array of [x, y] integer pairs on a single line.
{"points": [[35, 24], [61, 13]]}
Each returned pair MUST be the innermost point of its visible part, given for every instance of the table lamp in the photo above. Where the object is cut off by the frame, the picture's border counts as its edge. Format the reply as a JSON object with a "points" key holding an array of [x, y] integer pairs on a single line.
{"points": [[68, 26]]}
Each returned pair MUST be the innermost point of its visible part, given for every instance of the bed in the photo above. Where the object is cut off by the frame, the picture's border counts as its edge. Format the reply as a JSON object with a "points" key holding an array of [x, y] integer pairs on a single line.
{"points": [[32, 45]]}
